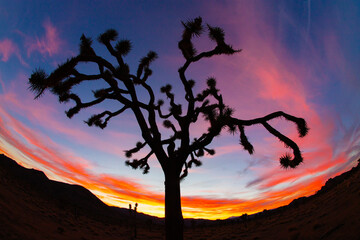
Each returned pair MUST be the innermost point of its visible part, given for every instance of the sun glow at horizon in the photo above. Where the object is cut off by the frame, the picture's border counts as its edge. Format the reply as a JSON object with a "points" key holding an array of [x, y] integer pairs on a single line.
{"points": [[288, 63]]}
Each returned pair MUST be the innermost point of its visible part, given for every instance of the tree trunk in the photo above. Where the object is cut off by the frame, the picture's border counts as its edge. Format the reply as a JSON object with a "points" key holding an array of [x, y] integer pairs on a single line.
{"points": [[174, 222]]}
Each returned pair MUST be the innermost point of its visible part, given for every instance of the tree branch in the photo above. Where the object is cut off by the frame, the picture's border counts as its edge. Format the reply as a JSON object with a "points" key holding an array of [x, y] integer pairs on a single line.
{"points": [[79, 105], [96, 119], [286, 161], [142, 163]]}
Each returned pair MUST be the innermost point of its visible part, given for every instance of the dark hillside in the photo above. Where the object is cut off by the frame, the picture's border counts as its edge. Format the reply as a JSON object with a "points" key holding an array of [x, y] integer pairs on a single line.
{"points": [[34, 207], [31, 204]]}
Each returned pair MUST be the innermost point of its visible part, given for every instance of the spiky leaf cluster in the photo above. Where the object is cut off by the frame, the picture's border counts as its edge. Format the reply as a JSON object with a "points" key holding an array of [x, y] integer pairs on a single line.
{"points": [[166, 89], [196, 162], [191, 28], [85, 46], [287, 161], [211, 82], [137, 148], [245, 142], [38, 82], [302, 127], [94, 120], [123, 47], [109, 35], [135, 164], [63, 71], [145, 63], [216, 34]]}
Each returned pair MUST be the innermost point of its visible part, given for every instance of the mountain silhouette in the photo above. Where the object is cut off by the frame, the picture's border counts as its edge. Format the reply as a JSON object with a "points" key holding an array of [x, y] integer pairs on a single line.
{"points": [[35, 207], [27, 195]]}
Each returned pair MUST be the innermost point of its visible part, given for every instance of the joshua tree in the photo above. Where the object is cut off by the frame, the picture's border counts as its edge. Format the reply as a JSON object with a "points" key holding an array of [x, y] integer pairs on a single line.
{"points": [[180, 151]]}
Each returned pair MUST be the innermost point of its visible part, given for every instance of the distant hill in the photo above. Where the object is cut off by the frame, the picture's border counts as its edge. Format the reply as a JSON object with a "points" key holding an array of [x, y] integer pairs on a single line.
{"points": [[29, 192], [34, 207], [332, 213], [63, 194], [327, 189]]}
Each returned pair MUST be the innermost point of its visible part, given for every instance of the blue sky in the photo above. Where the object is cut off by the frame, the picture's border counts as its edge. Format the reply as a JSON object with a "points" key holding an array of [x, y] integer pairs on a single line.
{"points": [[298, 57]]}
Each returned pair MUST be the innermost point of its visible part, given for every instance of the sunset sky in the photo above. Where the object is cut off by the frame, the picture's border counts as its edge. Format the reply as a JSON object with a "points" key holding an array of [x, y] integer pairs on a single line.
{"points": [[300, 57]]}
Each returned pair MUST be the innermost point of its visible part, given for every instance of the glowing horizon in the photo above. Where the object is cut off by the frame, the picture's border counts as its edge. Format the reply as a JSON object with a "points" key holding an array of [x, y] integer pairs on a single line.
{"points": [[294, 60]]}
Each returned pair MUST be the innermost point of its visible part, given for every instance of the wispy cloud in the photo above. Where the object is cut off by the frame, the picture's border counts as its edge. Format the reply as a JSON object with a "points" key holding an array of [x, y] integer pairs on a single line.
{"points": [[266, 77], [62, 164], [50, 116], [48, 44], [7, 49], [270, 74]]}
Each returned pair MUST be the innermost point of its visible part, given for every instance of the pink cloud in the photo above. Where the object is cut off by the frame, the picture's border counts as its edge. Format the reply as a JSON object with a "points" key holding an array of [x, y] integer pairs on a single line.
{"points": [[56, 160], [50, 115], [59, 162], [48, 44], [9, 48], [2, 84], [264, 78], [25, 138], [261, 79]]}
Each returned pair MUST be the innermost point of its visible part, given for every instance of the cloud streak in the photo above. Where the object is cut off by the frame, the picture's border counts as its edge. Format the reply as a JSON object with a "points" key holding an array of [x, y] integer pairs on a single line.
{"points": [[275, 71], [7, 49], [47, 45], [49, 115], [63, 165]]}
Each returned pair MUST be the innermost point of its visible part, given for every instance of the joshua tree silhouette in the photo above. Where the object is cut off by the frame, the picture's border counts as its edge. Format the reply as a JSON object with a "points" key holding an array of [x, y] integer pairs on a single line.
{"points": [[177, 153]]}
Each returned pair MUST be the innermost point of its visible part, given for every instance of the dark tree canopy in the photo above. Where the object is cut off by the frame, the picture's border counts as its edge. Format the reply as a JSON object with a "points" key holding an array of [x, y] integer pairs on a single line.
{"points": [[178, 152]]}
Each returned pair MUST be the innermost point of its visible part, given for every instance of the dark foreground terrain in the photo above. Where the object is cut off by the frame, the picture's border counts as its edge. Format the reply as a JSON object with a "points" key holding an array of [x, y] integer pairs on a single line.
{"points": [[34, 207]]}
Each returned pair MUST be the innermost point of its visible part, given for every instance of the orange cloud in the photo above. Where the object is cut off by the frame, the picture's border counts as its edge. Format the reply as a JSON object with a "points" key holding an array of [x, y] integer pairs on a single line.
{"points": [[63, 165], [57, 164], [261, 79], [50, 115]]}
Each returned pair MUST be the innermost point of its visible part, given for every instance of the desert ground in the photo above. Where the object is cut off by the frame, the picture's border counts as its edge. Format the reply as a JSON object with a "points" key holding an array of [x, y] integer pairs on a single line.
{"points": [[28, 212]]}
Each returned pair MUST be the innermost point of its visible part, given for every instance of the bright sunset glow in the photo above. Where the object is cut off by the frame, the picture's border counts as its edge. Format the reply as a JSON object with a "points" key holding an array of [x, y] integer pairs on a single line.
{"points": [[300, 57]]}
